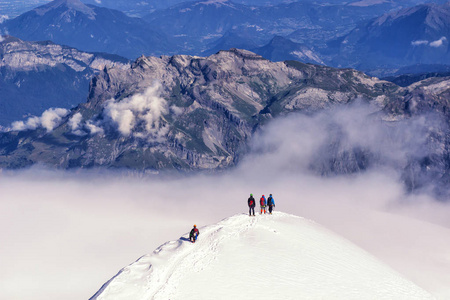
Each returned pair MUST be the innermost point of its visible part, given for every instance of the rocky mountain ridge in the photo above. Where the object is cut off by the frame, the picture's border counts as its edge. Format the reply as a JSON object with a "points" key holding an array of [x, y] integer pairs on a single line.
{"points": [[22, 55], [88, 28], [373, 36], [416, 35], [200, 113]]}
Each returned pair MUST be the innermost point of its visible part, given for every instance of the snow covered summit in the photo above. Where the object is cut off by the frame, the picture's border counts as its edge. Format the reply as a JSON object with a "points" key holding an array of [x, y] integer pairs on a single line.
{"points": [[277, 256]]}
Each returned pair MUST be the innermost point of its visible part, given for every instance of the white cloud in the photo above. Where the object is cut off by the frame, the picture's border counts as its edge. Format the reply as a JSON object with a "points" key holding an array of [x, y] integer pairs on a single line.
{"points": [[49, 119], [435, 44], [176, 110], [94, 128], [140, 115], [419, 43], [75, 121], [98, 1], [3, 18], [52, 118], [438, 43], [75, 124]]}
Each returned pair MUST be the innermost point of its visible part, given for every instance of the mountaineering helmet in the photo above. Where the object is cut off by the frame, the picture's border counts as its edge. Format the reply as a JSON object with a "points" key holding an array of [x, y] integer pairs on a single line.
{"points": [[251, 195], [195, 225]]}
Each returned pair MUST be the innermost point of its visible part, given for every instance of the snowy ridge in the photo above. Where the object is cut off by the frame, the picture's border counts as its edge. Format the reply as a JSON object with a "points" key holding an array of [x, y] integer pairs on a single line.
{"points": [[277, 256]]}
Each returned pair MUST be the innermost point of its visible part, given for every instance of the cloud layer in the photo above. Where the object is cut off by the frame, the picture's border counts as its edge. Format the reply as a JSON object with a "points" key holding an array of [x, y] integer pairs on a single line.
{"points": [[64, 234]]}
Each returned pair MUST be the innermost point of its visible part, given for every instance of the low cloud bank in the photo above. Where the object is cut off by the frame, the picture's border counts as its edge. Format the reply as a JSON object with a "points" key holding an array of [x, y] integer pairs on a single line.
{"points": [[140, 115], [351, 140], [49, 120], [65, 234]]}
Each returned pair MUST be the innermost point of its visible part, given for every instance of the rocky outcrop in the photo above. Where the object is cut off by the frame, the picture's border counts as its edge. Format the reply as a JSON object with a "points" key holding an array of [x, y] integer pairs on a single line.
{"points": [[199, 113], [211, 105]]}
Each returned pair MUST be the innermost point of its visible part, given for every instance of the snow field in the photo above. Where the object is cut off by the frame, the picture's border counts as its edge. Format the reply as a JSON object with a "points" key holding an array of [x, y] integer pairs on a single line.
{"points": [[277, 256]]}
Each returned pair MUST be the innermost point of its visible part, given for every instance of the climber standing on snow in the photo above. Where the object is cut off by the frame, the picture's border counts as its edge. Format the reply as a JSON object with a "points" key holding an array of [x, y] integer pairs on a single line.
{"points": [[251, 205], [270, 203], [263, 204], [194, 234]]}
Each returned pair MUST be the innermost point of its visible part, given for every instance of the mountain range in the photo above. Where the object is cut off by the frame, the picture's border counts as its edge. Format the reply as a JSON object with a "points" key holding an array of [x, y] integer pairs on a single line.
{"points": [[193, 113], [207, 110], [416, 35], [196, 24], [372, 36], [200, 113], [88, 28]]}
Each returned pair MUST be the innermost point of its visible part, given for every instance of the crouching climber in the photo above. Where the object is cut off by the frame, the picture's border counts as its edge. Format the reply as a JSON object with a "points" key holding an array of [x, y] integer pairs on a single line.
{"points": [[194, 234]]}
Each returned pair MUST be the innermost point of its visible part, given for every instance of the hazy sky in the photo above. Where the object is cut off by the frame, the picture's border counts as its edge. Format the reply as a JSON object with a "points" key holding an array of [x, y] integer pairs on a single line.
{"points": [[65, 234]]}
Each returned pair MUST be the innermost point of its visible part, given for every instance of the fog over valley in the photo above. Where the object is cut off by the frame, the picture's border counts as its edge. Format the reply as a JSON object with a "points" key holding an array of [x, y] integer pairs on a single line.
{"points": [[66, 232]]}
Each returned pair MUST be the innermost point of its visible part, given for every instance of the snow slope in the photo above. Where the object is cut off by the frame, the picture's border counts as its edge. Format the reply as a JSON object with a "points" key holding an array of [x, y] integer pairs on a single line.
{"points": [[277, 256]]}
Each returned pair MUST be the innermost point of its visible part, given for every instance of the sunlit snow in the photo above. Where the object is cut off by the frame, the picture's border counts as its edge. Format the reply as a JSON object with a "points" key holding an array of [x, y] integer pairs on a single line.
{"points": [[277, 256]]}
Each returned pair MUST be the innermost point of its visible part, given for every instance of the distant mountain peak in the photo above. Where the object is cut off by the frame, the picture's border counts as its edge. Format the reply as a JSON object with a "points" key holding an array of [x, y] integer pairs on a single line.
{"points": [[76, 5], [215, 2], [243, 54], [428, 11]]}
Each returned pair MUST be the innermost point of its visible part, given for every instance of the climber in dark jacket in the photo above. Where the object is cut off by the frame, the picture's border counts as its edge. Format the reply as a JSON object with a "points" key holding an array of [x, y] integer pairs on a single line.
{"points": [[270, 203], [251, 205]]}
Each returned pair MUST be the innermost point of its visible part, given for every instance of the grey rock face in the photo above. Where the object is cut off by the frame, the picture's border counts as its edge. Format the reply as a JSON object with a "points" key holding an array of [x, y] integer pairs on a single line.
{"points": [[199, 113], [280, 49], [211, 108]]}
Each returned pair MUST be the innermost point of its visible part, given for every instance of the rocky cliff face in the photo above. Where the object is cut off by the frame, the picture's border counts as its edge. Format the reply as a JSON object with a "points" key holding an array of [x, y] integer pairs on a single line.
{"points": [[199, 113], [207, 110]]}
